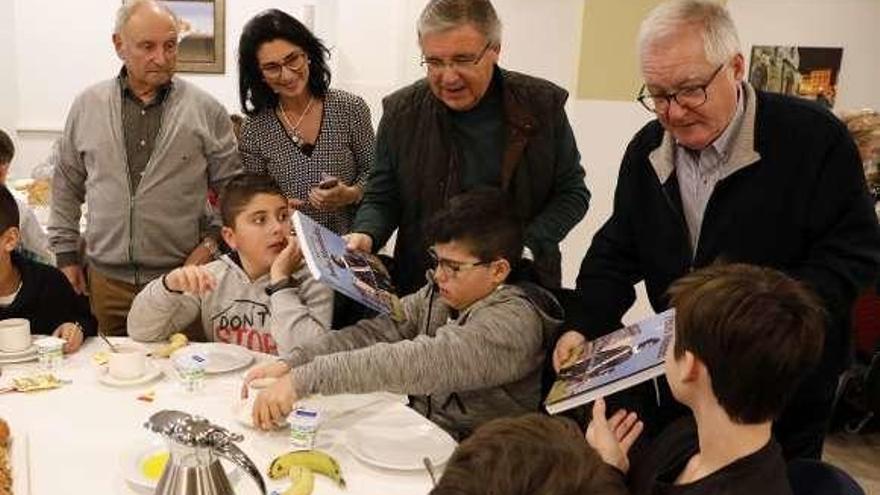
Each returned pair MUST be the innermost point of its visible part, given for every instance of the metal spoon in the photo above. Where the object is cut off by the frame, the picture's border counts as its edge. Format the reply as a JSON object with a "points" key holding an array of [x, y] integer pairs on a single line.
{"points": [[107, 341], [430, 467]]}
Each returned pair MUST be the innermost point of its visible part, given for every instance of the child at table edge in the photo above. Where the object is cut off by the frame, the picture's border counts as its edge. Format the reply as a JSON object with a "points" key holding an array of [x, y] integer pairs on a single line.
{"points": [[745, 336], [33, 241], [260, 296], [35, 291]]}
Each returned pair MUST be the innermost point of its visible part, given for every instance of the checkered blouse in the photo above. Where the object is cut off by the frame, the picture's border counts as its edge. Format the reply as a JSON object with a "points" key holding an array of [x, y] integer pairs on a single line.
{"points": [[344, 149]]}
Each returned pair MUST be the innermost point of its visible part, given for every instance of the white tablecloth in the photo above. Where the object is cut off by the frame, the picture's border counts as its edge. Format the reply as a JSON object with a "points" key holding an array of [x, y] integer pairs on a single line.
{"points": [[78, 434]]}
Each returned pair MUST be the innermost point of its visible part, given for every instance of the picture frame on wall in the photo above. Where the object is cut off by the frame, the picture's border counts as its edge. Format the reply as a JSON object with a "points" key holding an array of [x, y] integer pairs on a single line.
{"points": [[804, 71], [202, 30]]}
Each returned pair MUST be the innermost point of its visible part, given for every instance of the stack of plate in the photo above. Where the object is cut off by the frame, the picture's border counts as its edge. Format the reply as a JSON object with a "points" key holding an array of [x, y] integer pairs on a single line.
{"points": [[28, 354]]}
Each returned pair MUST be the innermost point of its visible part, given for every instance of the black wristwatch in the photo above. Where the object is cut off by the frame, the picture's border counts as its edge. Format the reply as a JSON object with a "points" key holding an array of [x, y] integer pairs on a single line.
{"points": [[285, 283]]}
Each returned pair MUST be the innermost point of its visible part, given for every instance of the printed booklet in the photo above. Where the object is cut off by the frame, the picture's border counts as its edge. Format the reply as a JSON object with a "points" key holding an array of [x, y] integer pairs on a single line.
{"points": [[613, 362], [360, 276]]}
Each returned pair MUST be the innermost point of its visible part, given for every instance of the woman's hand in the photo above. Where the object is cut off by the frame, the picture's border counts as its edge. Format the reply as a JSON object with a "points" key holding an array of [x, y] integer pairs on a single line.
{"points": [[334, 198]]}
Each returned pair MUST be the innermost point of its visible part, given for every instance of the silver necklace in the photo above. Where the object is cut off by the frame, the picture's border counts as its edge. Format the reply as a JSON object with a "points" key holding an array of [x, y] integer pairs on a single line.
{"points": [[294, 129]]}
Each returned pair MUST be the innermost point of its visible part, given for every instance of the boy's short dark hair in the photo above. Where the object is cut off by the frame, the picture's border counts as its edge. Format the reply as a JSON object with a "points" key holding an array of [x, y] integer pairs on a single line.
{"points": [[531, 454], [484, 219], [7, 148], [240, 190], [757, 331], [8, 210]]}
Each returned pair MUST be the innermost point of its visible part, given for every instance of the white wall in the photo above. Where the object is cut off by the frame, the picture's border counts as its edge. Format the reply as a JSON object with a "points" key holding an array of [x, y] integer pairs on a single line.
{"points": [[8, 86], [851, 24], [374, 51]]}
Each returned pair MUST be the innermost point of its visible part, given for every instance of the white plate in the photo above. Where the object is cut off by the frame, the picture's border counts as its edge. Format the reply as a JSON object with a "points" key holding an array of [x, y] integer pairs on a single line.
{"points": [[222, 358], [151, 373], [133, 458], [23, 359], [402, 446], [30, 351]]}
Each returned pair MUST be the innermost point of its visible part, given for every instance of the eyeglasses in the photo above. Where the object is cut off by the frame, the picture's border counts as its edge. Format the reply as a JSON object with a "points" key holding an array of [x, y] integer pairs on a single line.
{"points": [[294, 61], [452, 268], [458, 62], [689, 98]]}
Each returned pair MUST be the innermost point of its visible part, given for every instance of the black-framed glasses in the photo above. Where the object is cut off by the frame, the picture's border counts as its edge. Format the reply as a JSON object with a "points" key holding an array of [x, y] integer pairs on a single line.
{"points": [[690, 98], [458, 62], [294, 61], [450, 267]]}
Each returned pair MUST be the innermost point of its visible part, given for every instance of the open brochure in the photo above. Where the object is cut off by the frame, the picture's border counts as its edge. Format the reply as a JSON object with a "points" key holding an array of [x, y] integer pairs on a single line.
{"points": [[360, 276], [613, 362]]}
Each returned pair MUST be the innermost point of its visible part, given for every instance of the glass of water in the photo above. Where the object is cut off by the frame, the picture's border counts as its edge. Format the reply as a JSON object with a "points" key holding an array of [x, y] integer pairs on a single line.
{"points": [[50, 354]]}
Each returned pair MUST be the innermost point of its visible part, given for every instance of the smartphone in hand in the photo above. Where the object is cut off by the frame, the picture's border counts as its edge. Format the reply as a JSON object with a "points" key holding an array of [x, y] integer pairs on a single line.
{"points": [[328, 182]]}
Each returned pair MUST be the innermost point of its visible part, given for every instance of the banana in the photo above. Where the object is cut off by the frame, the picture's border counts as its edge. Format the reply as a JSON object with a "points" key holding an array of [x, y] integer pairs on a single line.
{"points": [[303, 481], [177, 341], [314, 460]]}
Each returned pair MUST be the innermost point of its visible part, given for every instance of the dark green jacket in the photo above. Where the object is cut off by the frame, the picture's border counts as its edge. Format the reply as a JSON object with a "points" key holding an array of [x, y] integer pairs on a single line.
{"points": [[418, 170]]}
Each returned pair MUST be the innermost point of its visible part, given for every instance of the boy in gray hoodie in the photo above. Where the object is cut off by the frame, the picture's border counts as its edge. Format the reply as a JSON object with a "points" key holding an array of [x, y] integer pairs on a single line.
{"points": [[469, 347], [260, 296]]}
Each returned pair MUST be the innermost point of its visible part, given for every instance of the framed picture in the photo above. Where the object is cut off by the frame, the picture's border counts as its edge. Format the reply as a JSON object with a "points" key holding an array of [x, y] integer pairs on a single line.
{"points": [[202, 35], [808, 72]]}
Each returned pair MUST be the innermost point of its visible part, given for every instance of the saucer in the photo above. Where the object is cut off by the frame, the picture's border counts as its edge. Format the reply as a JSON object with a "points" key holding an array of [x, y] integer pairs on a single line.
{"points": [[29, 350], [29, 354], [151, 373], [133, 458]]}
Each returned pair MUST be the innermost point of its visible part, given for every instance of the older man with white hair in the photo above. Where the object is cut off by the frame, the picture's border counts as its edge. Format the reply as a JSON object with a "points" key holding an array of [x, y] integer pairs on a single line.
{"points": [[141, 150], [729, 173]]}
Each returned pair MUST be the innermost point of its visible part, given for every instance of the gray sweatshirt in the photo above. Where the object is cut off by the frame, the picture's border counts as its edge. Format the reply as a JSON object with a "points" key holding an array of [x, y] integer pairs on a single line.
{"points": [[463, 371], [135, 235], [238, 311]]}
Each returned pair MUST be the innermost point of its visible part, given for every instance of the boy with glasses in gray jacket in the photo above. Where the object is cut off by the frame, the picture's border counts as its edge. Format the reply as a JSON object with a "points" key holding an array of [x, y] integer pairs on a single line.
{"points": [[469, 347]]}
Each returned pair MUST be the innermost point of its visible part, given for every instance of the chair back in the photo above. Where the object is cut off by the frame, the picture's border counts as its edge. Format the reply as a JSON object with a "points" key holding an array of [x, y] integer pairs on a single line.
{"points": [[811, 477]]}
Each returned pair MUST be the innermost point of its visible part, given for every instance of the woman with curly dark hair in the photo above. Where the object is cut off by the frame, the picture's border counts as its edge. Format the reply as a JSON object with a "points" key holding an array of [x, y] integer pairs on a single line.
{"points": [[316, 142]]}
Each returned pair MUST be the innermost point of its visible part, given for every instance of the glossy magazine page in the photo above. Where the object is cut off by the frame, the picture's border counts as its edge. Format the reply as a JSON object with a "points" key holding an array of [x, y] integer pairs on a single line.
{"points": [[615, 361], [360, 276]]}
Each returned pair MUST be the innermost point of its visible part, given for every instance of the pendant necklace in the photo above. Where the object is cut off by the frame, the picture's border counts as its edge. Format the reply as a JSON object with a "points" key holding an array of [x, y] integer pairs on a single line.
{"points": [[294, 129]]}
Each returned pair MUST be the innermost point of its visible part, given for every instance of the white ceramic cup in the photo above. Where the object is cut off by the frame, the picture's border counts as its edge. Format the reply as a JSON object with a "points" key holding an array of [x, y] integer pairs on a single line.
{"points": [[128, 363], [15, 334]]}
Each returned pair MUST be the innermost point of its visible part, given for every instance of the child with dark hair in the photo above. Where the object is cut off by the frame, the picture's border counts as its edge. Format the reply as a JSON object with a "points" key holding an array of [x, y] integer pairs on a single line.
{"points": [[745, 336], [33, 241], [469, 347], [35, 291], [529, 455], [260, 296]]}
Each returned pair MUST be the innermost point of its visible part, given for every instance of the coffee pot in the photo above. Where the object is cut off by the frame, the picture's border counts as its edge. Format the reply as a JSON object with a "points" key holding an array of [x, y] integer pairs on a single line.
{"points": [[195, 446]]}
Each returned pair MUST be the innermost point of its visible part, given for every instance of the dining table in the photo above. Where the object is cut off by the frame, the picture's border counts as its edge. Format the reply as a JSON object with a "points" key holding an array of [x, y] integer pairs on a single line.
{"points": [[89, 435]]}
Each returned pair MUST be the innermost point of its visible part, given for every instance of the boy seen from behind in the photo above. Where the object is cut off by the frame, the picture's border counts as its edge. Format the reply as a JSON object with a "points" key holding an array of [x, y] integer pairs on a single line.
{"points": [[529, 455], [260, 296], [744, 338]]}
